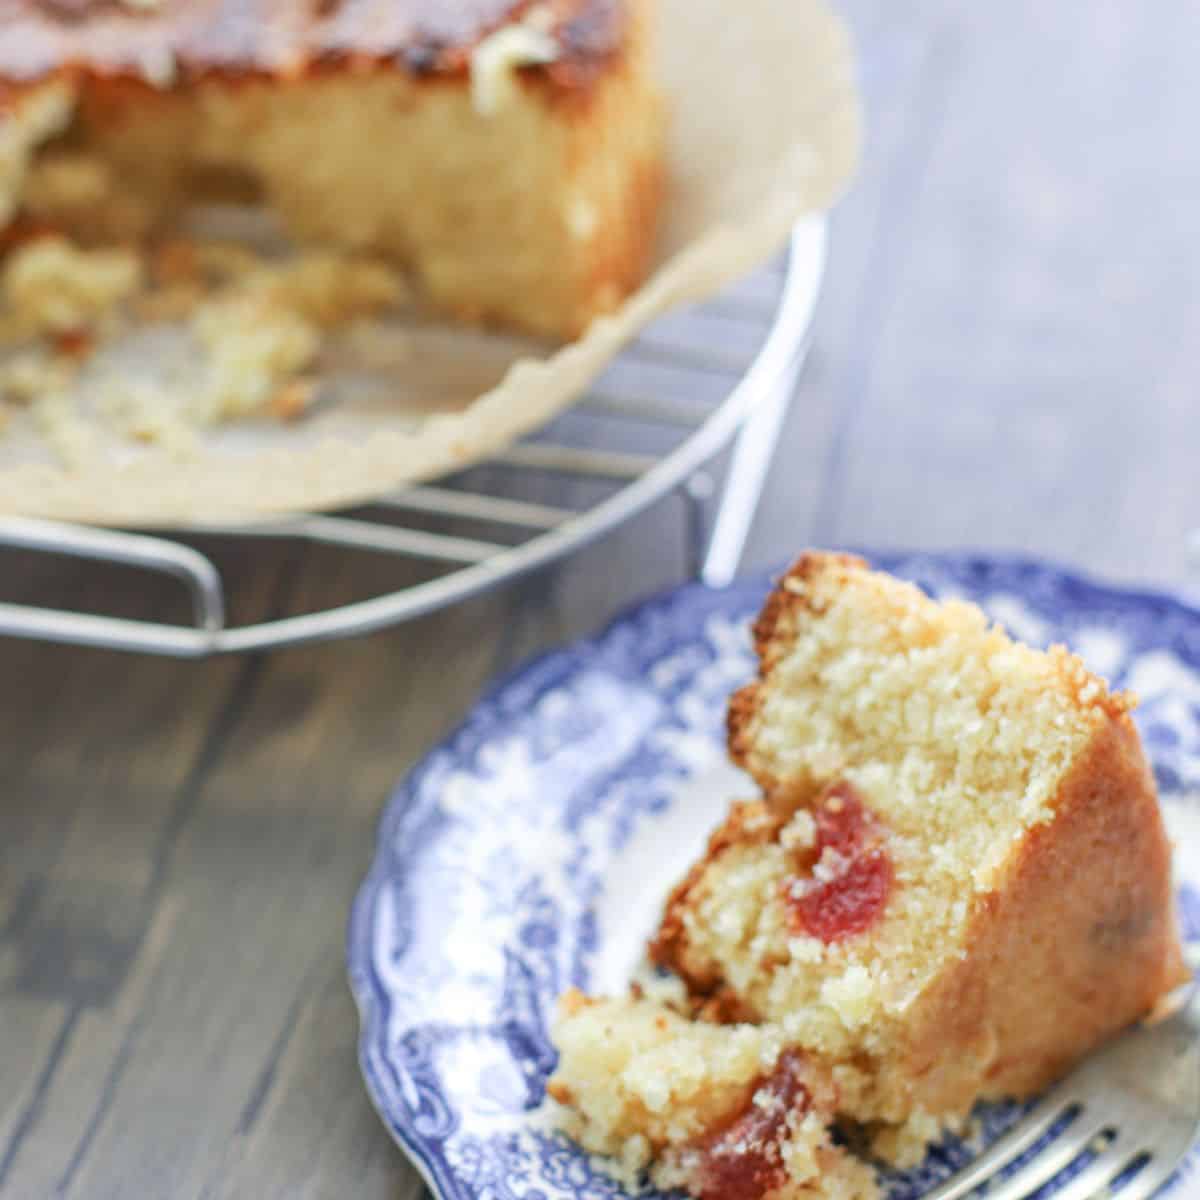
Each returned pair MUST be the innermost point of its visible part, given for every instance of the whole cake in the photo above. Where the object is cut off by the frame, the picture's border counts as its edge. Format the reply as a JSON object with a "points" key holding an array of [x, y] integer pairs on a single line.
{"points": [[954, 884], [508, 152]]}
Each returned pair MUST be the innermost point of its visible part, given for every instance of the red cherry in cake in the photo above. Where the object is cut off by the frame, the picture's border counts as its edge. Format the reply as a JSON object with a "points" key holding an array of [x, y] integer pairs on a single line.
{"points": [[851, 874], [742, 1161]]}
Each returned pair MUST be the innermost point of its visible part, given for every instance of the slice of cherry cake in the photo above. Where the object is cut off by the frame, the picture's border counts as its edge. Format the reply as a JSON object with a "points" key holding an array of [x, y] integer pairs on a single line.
{"points": [[955, 883], [726, 1112]]}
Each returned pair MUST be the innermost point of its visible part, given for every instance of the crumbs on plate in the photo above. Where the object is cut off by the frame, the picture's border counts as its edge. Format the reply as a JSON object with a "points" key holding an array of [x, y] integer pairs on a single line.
{"points": [[249, 328]]}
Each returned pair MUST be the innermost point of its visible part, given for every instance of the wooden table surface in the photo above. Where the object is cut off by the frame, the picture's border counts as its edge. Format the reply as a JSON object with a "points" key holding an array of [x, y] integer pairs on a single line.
{"points": [[1004, 358]]}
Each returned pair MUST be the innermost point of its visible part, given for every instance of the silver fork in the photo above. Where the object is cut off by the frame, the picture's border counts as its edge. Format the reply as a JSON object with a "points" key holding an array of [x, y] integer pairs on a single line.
{"points": [[1134, 1103]]}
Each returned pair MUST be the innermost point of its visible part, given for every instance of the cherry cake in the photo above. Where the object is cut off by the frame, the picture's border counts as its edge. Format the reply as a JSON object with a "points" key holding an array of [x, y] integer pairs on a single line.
{"points": [[954, 883]]}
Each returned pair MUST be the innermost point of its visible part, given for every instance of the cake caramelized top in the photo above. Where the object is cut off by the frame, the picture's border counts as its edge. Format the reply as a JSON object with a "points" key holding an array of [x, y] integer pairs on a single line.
{"points": [[854, 662], [168, 40]]}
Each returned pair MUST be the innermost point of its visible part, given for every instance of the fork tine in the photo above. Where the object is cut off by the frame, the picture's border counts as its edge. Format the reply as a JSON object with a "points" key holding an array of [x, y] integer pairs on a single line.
{"points": [[1101, 1171], [1149, 1179], [1012, 1145], [1059, 1155]]}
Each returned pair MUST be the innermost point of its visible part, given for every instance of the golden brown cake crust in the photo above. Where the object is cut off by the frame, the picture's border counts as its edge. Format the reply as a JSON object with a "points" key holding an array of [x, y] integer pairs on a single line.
{"points": [[1078, 941], [777, 611], [749, 823], [289, 37], [774, 630]]}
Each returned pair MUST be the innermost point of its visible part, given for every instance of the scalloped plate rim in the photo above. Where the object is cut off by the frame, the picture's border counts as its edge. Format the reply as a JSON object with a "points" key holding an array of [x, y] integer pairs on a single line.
{"points": [[562, 657]]}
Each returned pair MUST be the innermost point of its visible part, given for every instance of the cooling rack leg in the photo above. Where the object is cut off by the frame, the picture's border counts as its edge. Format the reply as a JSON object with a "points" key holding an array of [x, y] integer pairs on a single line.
{"points": [[754, 448], [696, 492], [1191, 586], [191, 568], [753, 453]]}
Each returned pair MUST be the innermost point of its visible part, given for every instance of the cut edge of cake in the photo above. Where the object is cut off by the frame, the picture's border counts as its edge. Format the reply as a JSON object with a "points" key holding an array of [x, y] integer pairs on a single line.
{"points": [[1067, 930], [726, 1112], [527, 193]]}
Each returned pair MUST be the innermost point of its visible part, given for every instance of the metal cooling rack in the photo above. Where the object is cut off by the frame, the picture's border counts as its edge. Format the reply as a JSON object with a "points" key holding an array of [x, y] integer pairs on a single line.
{"points": [[722, 372]]}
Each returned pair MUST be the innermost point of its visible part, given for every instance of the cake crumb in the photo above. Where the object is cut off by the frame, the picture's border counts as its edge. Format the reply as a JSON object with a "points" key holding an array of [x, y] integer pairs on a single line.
{"points": [[54, 287], [72, 441], [294, 399], [252, 349], [33, 373], [800, 833], [328, 288]]}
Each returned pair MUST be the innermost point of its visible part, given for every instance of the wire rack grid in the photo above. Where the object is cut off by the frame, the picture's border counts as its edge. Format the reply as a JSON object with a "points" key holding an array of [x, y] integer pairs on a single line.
{"points": [[719, 373]]}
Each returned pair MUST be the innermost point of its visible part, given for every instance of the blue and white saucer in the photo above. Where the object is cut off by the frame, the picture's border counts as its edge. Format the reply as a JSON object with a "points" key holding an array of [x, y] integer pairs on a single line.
{"points": [[530, 851]]}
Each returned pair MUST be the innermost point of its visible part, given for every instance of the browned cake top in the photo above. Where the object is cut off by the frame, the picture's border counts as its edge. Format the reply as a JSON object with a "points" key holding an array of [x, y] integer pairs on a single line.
{"points": [[195, 37]]}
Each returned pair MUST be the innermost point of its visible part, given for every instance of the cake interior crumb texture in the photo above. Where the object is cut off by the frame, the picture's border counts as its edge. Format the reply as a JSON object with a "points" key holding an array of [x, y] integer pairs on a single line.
{"points": [[508, 157], [954, 883], [721, 1111], [519, 188], [955, 736]]}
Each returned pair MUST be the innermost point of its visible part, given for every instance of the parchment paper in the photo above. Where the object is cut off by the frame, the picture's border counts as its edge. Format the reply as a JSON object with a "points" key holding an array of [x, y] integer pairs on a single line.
{"points": [[764, 128]]}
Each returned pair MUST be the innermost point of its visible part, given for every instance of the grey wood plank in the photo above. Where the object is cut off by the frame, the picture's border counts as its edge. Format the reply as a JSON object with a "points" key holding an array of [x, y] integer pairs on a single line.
{"points": [[1023, 386], [902, 69], [95, 794], [34, 1034], [75, 1094], [237, 1017], [301, 1145], [646, 556]]}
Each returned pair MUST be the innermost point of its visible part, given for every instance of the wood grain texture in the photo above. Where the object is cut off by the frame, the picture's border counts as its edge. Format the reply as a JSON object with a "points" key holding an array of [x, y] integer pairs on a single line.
{"points": [[1012, 361], [1002, 360]]}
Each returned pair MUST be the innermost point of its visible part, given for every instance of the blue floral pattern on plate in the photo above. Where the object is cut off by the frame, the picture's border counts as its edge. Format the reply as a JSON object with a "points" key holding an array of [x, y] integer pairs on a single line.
{"points": [[481, 905]]}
